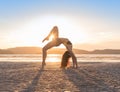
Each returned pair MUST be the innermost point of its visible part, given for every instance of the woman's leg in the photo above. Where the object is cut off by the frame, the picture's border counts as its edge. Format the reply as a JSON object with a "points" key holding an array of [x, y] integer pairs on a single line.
{"points": [[44, 51], [45, 48]]}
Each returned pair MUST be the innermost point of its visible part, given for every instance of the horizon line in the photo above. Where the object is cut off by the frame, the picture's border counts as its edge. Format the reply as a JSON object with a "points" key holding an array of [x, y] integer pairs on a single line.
{"points": [[58, 48]]}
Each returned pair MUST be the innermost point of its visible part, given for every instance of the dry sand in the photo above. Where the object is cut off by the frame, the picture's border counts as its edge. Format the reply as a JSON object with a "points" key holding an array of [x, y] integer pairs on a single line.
{"points": [[89, 77]]}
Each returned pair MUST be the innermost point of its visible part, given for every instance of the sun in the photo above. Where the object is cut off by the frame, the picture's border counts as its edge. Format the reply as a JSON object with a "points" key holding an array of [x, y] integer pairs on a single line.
{"points": [[51, 38], [35, 30]]}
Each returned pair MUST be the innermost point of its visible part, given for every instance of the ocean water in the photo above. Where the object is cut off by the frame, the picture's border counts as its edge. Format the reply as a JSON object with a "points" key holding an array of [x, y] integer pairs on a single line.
{"points": [[57, 57]]}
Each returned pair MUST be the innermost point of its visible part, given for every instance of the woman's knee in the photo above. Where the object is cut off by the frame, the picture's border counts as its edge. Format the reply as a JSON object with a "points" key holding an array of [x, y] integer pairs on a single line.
{"points": [[44, 49]]}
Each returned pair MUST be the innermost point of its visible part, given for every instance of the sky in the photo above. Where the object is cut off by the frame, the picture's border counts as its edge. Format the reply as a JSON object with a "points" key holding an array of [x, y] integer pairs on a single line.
{"points": [[89, 24]]}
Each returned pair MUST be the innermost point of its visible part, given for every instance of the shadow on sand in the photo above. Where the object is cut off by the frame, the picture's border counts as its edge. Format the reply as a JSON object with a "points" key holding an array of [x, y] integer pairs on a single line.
{"points": [[85, 82], [32, 86], [73, 77]]}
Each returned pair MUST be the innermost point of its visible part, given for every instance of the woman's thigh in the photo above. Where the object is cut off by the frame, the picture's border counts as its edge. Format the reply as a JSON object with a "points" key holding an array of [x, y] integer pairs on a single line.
{"points": [[49, 45]]}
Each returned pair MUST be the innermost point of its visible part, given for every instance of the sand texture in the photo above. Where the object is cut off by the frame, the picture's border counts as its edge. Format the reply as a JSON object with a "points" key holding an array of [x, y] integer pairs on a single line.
{"points": [[89, 77]]}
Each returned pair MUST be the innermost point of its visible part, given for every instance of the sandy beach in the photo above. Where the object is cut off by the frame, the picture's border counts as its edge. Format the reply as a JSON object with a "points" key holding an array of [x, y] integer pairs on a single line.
{"points": [[89, 77]]}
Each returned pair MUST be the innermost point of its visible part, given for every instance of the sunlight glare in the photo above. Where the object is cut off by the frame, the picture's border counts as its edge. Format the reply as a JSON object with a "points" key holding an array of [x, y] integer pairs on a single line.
{"points": [[51, 37], [52, 59], [38, 28]]}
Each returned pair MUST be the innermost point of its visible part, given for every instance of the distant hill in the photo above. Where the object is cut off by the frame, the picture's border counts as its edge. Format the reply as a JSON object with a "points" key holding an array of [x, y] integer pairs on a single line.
{"points": [[2, 51], [25, 50], [78, 51], [38, 50], [62, 50], [106, 51]]}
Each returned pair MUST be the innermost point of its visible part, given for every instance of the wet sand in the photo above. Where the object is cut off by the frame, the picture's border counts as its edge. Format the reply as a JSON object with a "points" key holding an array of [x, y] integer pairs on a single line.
{"points": [[89, 77]]}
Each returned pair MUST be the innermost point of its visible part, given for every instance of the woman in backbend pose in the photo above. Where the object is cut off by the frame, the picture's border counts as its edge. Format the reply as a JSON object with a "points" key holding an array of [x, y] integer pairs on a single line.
{"points": [[56, 41]]}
